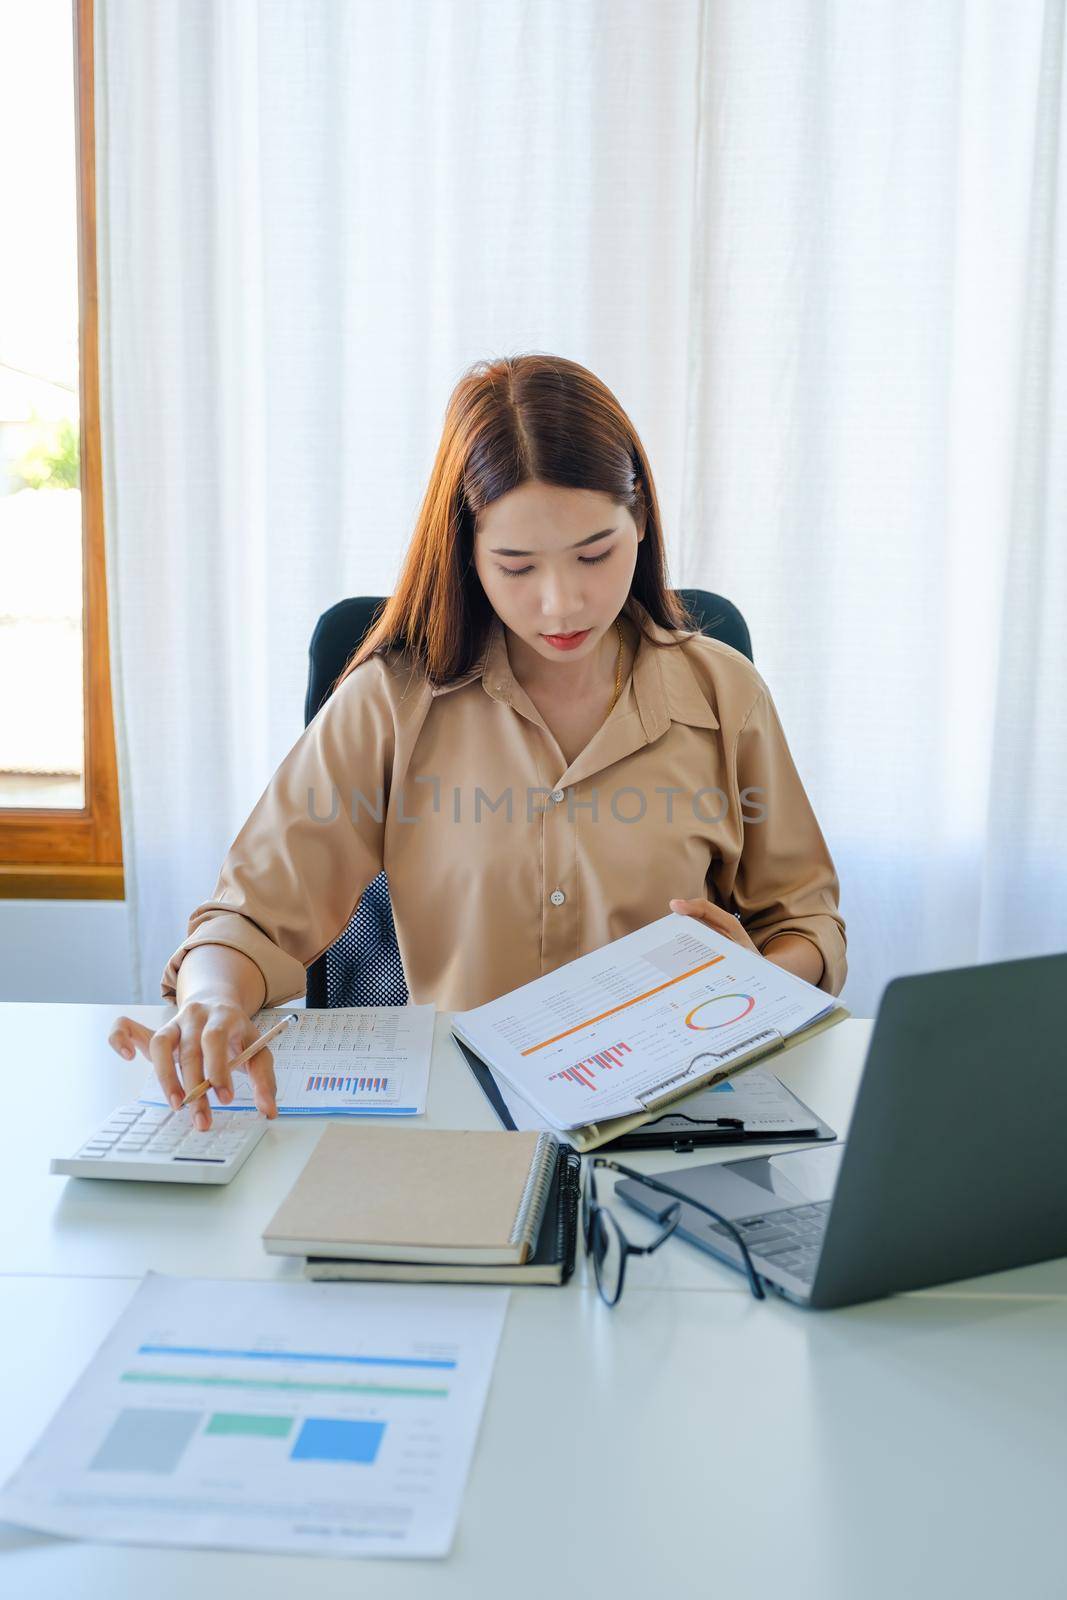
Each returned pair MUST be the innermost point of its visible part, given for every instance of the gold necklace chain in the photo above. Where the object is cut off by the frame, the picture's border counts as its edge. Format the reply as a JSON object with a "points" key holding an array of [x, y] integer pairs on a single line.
{"points": [[618, 670]]}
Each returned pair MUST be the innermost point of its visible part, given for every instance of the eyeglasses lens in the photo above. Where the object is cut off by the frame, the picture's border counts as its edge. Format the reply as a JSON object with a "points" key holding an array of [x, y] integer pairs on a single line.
{"points": [[608, 1256], [588, 1202]]}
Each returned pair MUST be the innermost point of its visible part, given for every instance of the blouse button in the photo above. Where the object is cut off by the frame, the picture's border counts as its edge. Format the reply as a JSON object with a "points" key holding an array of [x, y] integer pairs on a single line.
{"points": [[556, 796], [557, 897]]}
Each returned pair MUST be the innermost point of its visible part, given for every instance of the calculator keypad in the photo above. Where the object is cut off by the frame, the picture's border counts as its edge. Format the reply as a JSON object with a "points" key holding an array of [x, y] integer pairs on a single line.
{"points": [[156, 1134]]}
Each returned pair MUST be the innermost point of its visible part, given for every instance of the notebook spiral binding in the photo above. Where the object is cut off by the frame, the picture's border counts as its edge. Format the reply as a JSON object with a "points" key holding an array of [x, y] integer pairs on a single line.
{"points": [[570, 1167], [535, 1191]]}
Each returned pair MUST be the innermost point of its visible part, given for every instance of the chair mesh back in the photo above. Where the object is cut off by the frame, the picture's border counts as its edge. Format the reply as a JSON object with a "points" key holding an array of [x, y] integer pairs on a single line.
{"points": [[363, 966]]}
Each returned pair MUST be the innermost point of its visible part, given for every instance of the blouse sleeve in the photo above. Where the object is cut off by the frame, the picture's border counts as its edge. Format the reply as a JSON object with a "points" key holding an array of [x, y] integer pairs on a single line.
{"points": [[785, 881], [295, 873]]}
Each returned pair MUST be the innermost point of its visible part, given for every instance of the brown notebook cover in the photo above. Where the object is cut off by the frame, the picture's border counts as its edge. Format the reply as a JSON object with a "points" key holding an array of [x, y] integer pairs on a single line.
{"points": [[415, 1194]]}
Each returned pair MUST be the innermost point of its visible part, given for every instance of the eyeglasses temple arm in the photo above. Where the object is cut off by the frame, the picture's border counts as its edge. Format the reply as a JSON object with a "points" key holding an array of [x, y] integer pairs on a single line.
{"points": [[677, 1194]]}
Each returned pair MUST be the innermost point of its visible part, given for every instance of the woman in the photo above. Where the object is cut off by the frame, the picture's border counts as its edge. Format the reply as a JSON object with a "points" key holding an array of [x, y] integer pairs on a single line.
{"points": [[533, 741]]}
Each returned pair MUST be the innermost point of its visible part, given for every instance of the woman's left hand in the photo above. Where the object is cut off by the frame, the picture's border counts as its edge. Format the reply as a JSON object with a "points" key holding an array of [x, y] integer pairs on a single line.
{"points": [[714, 917]]}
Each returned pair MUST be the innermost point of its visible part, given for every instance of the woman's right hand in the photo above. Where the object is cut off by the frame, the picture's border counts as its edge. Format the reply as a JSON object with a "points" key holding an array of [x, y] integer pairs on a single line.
{"points": [[199, 1042]]}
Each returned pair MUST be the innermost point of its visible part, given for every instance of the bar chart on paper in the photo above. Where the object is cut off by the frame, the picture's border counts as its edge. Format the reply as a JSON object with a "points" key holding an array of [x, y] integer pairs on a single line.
{"points": [[586, 1071], [382, 1089], [358, 1061], [271, 1417]]}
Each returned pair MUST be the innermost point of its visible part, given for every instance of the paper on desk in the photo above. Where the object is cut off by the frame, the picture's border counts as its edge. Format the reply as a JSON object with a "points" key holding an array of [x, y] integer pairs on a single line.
{"points": [[640, 1017], [350, 1061], [315, 1419]]}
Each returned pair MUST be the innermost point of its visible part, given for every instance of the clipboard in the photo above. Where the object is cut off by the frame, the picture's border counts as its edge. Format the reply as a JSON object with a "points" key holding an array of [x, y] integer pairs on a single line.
{"points": [[622, 1132], [683, 1132]]}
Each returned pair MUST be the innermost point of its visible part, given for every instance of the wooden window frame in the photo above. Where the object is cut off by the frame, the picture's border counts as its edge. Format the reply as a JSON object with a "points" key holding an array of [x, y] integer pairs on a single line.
{"points": [[77, 855]]}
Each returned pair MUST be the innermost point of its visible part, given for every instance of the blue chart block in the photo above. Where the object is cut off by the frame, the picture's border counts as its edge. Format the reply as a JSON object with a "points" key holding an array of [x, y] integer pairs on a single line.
{"points": [[723, 1088], [324, 1439]]}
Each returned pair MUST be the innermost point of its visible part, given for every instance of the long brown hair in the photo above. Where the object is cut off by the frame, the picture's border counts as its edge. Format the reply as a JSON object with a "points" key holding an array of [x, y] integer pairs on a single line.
{"points": [[509, 421]]}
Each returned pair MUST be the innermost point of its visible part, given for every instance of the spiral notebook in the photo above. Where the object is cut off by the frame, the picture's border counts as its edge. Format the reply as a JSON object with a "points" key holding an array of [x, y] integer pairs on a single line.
{"points": [[418, 1195], [552, 1260]]}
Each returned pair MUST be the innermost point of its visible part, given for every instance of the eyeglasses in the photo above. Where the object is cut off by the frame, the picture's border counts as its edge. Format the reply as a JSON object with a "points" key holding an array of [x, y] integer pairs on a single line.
{"points": [[609, 1246]]}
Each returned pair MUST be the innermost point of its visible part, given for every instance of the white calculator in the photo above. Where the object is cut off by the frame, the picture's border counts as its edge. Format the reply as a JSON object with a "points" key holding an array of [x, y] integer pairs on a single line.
{"points": [[157, 1145]]}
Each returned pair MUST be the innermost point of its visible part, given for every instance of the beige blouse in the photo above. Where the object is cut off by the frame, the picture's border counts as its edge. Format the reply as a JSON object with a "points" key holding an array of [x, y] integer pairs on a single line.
{"points": [[504, 862]]}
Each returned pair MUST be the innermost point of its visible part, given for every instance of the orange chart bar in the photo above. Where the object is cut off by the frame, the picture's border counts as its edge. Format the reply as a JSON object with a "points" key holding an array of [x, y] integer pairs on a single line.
{"points": [[578, 1026]]}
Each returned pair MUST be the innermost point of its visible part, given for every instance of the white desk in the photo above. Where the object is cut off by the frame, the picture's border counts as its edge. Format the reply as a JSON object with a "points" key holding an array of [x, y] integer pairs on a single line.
{"points": [[691, 1440]]}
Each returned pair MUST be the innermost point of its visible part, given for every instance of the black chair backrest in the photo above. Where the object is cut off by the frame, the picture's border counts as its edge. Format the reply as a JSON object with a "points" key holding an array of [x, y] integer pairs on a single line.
{"points": [[363, 966]]}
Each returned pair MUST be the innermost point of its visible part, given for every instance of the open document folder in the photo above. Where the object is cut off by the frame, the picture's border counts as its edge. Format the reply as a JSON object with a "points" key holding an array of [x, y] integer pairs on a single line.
{"points": [[601, 1045]]}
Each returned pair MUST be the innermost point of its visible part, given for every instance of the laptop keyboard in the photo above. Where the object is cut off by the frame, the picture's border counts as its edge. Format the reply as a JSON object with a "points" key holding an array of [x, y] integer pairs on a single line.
{"points": [[789, 1239]]}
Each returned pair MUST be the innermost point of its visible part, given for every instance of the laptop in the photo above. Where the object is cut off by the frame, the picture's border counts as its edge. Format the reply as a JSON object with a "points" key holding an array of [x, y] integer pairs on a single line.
{"points": [[956, 1157]]}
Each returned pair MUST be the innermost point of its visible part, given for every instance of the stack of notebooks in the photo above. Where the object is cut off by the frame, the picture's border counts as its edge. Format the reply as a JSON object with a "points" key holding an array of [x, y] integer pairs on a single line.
{"points": [[423, 1205]]}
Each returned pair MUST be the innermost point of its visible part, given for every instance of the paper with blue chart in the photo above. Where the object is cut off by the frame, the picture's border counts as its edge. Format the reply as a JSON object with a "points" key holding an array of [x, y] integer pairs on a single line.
{"points": [[614, 1031], [313, 1419], [355, 1061]]}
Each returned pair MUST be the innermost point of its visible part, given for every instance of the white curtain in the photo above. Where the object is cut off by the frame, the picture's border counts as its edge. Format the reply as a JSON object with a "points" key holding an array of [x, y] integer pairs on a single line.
{"points": [[817, 250]]}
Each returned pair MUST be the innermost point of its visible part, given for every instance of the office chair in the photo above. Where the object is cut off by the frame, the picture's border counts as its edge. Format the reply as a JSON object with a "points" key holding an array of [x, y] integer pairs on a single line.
{"points": [[363, 967]]}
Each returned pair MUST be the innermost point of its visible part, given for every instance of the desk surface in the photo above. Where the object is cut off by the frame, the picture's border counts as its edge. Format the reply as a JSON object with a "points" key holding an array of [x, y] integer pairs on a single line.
{"points": [[914, 1445]]}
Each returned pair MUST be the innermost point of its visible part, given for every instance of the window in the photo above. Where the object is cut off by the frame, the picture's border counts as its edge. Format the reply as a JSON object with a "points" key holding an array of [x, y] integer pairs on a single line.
{"points": [[59, 815]]}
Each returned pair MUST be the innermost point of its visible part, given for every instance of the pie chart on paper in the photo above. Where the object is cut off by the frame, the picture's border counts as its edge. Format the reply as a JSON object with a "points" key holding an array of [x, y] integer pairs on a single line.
{"points": [[720, 1011]]}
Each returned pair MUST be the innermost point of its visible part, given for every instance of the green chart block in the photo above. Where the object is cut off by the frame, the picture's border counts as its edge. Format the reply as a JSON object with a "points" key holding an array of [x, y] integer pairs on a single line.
{"points": [[245, 1422]]}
